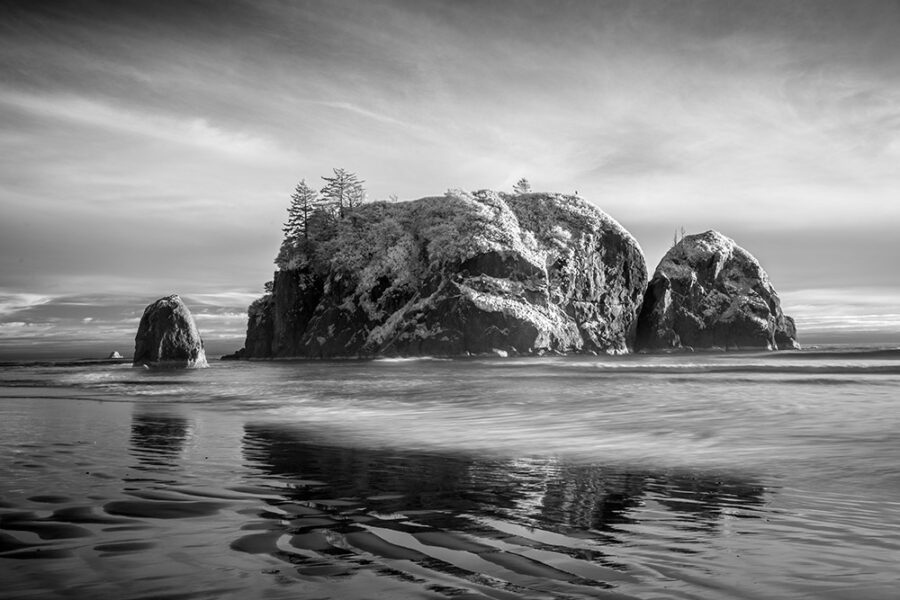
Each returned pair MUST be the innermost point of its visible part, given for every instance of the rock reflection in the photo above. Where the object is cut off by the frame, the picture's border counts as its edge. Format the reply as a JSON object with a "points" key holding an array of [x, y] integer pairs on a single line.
{"points": [[592, 497], [467, 517], [544, 491], [424, 481], [158, 438], [704, 500]]}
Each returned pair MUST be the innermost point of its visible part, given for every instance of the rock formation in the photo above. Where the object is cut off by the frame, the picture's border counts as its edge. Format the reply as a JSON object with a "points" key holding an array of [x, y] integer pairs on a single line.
{"points": [[455, 275], [167, 336], [708, 292]]}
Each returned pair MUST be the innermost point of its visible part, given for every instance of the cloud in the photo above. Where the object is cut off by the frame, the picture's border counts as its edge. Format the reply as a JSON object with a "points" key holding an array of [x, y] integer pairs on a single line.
{"points": [[828, 310], [222, 318], [153, 147], [196, 132], [223, 299], [14, 325], [12, 303], [358, 110]]}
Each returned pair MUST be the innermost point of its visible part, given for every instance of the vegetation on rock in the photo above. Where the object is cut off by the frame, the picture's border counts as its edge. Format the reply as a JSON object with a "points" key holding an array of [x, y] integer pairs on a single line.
{"points": [[455, 274], [476, 272], [312, 218], [522, 187]]}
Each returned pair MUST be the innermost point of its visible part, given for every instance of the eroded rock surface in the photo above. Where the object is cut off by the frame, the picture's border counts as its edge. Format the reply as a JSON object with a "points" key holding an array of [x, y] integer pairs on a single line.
{"points": [[167, 336], [455, 275], [708, 292]]}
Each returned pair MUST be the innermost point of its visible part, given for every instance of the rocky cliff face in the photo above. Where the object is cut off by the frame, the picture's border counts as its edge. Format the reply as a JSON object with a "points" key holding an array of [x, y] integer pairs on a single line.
{"points": [[708, 292], [167, 336], [455, 275]]}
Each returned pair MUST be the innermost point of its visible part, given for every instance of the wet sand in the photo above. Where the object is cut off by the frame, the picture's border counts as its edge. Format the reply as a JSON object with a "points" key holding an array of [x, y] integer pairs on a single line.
{"points": [[162, 512], [159, 498]]}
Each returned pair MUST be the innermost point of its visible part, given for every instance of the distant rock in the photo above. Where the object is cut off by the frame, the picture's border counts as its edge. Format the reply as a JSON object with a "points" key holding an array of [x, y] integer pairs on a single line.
{"points": [[114, 354], [240, 354], [708, 292], [460, 274], [167, 336]]}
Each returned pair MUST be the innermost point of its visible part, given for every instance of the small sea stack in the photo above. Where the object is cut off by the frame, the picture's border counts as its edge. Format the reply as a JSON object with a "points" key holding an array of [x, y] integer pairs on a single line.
{"points": [[709, 293], [167, 337]]}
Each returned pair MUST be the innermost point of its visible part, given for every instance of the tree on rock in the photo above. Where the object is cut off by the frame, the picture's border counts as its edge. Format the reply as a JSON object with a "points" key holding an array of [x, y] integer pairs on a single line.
{"points": [[343, 192], [303, 202], [522, 187]]}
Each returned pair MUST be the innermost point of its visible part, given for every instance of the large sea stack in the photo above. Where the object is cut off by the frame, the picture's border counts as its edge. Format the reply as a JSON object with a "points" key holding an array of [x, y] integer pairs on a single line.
{"points": [[708, 292], [455, 275], [167, 337]]}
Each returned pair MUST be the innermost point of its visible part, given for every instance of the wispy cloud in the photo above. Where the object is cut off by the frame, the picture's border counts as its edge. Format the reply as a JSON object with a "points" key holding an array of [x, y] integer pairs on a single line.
{"points": [[859, 309], [12, 303], [196, 132], [225, 299], [358, 110]]}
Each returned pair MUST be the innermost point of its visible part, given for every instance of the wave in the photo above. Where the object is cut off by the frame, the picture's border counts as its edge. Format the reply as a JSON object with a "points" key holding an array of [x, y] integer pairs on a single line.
{"points": [[799, 381], [861, 353], [810, 353], [754, 368], [640, 365], [409, 359], [79, 362]]}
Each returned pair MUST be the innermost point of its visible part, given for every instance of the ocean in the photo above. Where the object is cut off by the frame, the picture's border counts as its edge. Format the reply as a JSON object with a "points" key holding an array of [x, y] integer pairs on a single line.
{"points": [[696, 476]]}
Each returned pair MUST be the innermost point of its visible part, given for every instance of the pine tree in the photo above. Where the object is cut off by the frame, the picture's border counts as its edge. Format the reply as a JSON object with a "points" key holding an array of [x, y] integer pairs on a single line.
{"points": [[303, 202], [343, 192], [522, 187], [356, 196]]}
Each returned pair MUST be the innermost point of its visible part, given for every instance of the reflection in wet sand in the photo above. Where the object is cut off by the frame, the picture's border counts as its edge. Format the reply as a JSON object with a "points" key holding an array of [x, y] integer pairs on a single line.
{"points": [[412, 480], [157, 441], [528, 525], [158, 438]]}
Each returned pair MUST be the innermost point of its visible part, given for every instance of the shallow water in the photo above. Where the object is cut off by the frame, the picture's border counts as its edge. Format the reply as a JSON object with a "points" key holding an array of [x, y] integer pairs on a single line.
{"points": [[692, 476]]}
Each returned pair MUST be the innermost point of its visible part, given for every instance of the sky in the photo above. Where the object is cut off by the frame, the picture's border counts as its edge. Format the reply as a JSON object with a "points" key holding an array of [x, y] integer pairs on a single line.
{"points": [[149, 148]]}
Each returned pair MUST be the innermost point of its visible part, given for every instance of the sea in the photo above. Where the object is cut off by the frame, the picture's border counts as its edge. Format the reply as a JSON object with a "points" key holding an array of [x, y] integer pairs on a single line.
{"points": [[694, 476]]}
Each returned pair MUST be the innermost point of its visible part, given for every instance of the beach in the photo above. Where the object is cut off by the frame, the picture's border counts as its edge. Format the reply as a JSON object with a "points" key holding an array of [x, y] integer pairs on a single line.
{"points": [[707, 476]]}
